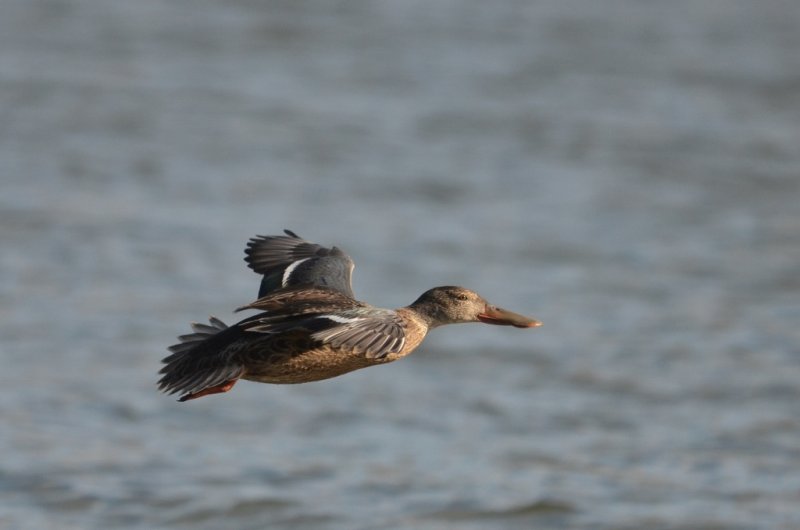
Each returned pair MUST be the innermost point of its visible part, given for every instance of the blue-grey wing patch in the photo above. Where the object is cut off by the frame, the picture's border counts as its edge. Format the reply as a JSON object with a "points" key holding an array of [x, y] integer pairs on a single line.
{"points": [[287, 261]]}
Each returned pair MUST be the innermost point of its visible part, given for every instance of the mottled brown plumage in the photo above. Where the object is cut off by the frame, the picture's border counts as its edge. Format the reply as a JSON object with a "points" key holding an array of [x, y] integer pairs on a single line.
{"points": [[309, 326]]}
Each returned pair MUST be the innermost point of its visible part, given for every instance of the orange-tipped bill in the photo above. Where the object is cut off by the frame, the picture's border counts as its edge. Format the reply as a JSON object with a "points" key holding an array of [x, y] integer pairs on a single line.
{"points": [[502, 317]]}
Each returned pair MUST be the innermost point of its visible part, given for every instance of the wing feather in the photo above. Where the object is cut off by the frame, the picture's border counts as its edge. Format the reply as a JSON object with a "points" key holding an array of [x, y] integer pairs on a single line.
{"points": [[200, 360], [375, 334], [289, 260]]}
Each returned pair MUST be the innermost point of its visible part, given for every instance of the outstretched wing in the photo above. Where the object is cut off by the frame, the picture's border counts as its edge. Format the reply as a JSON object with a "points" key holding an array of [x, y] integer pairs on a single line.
{"points": [[375, 334], [288, 261]]}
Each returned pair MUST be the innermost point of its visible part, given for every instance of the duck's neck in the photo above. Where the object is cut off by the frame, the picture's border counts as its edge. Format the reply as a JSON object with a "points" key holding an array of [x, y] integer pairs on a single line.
{"points": [[427, 313]]}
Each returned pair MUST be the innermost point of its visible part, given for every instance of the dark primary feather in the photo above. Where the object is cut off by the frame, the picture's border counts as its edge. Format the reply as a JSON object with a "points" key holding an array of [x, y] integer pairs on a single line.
{"points": [[287, 261]]}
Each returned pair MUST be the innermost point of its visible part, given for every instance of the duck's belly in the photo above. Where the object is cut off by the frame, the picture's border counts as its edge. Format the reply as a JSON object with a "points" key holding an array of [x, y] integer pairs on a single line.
{"points": [[312, 365]]}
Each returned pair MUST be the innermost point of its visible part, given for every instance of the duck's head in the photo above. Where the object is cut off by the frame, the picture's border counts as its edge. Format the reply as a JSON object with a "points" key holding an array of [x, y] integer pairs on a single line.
{"points": [[453, 305]]}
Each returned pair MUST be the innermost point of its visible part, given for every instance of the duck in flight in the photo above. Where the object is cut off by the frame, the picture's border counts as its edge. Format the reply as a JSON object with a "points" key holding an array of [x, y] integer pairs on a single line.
{"points": [[310, 326]]}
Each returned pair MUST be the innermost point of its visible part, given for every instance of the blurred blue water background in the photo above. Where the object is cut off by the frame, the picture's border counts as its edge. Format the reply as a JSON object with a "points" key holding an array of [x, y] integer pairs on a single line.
{"points": [[626, 171]]}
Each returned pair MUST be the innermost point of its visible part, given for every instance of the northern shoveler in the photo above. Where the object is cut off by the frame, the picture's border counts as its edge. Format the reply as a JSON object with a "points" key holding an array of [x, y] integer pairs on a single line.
{"points": [[310, 326]]}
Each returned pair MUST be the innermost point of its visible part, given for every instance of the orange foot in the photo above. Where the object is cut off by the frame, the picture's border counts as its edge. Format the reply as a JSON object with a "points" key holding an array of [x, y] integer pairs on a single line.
{"points": [[224, 387]]}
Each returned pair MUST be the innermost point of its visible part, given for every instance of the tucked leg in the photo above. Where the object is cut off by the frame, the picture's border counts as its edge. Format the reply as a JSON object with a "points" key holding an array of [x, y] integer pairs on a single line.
{"points": [[218, 389]]}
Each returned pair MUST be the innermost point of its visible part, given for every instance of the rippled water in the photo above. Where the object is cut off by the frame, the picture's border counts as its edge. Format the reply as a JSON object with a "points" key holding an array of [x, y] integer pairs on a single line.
{"points": [[628, 172]]}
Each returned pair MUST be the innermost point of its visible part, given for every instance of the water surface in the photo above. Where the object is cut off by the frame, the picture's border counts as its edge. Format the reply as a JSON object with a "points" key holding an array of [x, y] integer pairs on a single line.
{"points": [[625, 171]]}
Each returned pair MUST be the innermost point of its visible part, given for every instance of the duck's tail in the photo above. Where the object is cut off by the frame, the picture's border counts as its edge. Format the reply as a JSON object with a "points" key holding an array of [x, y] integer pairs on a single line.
{"points": [[199, 365]]}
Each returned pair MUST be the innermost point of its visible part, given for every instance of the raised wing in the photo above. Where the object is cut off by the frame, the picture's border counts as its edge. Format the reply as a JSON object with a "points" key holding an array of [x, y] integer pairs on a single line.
{"points": [[288, 261]]}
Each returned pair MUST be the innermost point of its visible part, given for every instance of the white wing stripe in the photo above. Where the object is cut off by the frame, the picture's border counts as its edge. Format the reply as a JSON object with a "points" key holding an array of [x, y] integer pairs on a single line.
{"points": [[340, 320], [288, 272]]}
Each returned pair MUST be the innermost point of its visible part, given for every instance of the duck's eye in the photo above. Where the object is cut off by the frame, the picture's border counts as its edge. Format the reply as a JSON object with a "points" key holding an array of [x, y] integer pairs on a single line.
{"points": [[462, 297]]}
